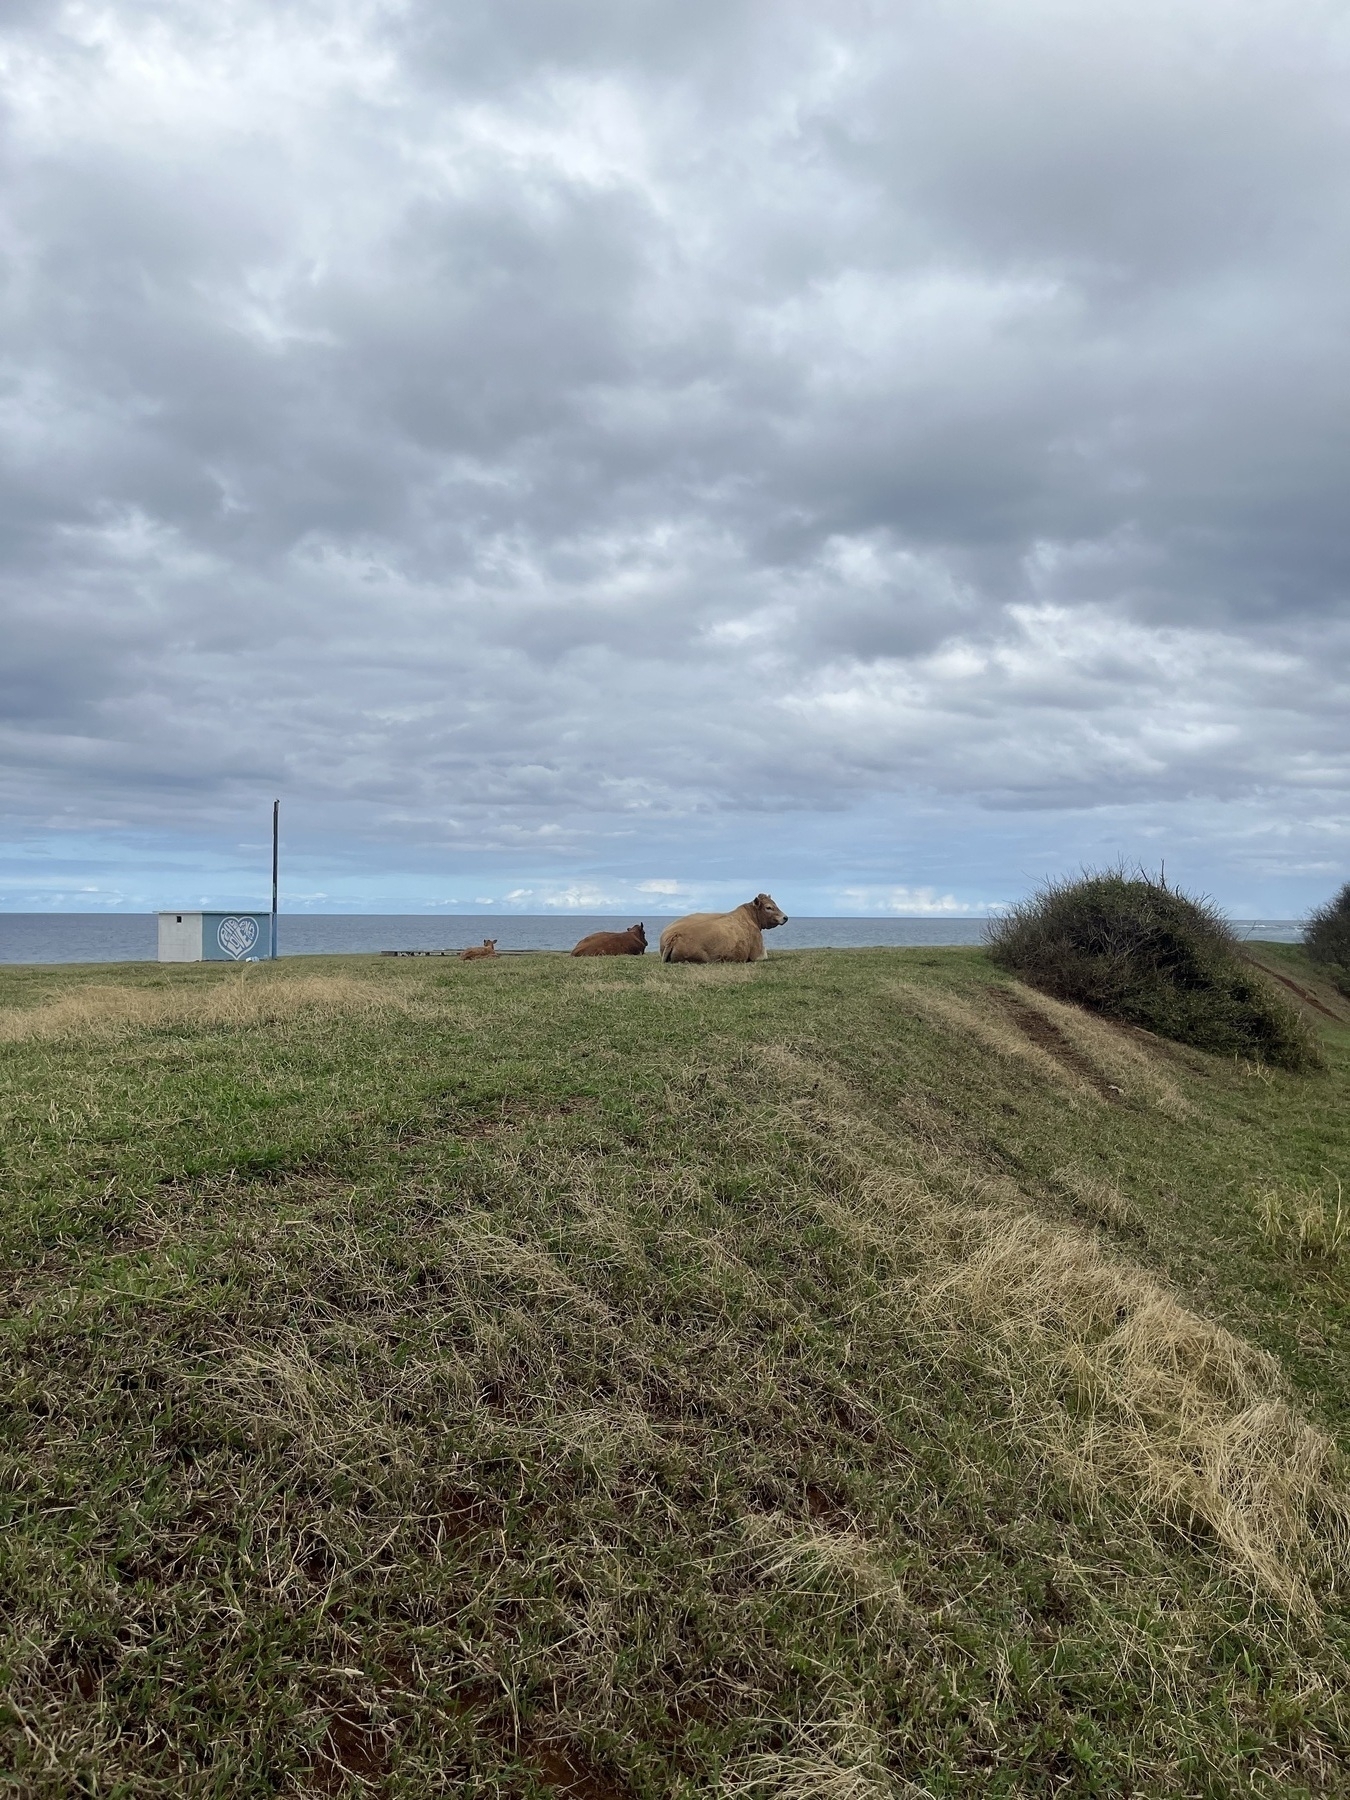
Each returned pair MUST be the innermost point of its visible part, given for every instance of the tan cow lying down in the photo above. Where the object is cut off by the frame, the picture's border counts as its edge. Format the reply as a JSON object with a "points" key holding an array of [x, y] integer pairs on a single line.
{"points": [[632, 942], [722, 937], [489, 948]]}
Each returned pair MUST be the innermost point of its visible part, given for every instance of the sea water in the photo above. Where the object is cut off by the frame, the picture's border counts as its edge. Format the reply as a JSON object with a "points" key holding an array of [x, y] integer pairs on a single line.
{"points": [[133, 937]]}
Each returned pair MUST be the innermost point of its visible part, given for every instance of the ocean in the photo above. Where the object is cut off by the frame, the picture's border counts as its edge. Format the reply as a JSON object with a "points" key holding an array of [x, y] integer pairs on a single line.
{"points": [[132, 937]]}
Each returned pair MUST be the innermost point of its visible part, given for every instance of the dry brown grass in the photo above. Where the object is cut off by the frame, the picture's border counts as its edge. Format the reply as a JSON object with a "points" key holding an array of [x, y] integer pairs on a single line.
{"points": [[839, 1758], [1137, 1393], [1100, 1201], [238, 1001], [1119, 1385], [1310, 1224]]}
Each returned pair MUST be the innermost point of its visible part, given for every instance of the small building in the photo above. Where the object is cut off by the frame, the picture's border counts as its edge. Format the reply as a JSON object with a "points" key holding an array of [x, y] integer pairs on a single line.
{"points": [[215, 936]]}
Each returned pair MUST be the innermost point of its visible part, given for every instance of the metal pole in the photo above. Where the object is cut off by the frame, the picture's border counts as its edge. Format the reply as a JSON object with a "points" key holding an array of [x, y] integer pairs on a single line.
{"points": [[276, 811]]}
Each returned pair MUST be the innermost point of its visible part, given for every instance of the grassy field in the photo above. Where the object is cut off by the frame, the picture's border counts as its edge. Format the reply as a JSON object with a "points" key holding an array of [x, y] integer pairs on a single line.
{"points": [[852, 1376]]}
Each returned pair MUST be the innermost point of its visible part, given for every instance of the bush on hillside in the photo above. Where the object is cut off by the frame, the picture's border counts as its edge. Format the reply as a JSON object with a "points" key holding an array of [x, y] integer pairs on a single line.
{"points": [[1326, 938], [1134, 949]]}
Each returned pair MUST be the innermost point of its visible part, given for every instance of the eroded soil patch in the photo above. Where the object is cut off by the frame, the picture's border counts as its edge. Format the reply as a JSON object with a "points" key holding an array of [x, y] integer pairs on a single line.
{"points": [[1303, 994], [1047, 1036]]}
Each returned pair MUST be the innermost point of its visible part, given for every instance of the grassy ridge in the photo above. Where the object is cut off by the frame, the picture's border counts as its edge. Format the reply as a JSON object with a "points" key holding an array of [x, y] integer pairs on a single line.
{"points": [[852, 1375]]}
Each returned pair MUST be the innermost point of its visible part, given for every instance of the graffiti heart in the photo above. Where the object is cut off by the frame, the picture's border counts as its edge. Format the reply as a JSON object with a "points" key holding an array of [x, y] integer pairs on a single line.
{"points": [[236, 936]]}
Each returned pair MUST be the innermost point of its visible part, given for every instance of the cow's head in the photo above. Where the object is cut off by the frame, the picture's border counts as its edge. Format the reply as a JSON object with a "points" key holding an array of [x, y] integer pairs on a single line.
{"points": [[767, 912], [489, 943], [637, 932]]}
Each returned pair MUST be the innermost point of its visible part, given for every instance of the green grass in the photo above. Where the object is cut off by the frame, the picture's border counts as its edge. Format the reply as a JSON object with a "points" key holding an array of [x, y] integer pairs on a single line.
{"points": [[852, 1375]]}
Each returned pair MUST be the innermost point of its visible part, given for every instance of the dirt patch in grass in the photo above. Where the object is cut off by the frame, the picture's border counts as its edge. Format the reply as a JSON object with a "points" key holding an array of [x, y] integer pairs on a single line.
{"points": [[569, 1776], [1067, 1046], [1305, 995], [986, 1020], [1047, 1036], [1320, 996]]}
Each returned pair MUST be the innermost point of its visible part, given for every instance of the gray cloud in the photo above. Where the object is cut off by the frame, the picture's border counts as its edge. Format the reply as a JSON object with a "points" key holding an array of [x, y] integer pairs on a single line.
{"points": [[520, 427]]}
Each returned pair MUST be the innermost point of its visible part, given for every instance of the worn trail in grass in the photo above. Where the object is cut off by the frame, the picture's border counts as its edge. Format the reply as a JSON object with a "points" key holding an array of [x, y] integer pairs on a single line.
{"points": [[848, 1376]]}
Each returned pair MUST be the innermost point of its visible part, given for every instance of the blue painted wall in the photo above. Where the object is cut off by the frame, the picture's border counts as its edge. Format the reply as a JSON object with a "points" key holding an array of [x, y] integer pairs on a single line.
{"points": [[236, 936]]}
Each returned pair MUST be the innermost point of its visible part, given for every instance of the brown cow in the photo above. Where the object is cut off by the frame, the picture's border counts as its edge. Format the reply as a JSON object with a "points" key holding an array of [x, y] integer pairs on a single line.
{"points": [[632, 942], [736, 936], [489, 948]]}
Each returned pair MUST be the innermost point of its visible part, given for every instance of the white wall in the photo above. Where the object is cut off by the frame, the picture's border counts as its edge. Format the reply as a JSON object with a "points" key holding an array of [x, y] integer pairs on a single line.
{"points": [[180, 937]]}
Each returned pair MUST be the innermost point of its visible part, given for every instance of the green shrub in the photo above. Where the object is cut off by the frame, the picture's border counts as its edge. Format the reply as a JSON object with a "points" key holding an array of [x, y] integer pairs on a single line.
{"points": [[1134, 949], [1326, 938]]}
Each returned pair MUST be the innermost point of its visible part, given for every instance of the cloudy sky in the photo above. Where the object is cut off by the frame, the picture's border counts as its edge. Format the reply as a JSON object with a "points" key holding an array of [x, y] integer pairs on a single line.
{"points": [[626, 453]]}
